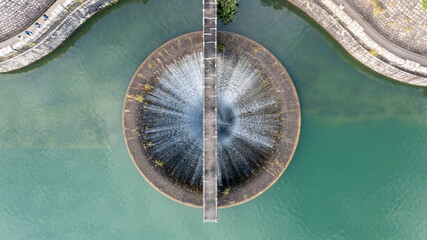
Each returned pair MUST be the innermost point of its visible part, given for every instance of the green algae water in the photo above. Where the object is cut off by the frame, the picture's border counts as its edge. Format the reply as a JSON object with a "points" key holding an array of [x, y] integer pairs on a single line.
{"points": [[359, 172]]}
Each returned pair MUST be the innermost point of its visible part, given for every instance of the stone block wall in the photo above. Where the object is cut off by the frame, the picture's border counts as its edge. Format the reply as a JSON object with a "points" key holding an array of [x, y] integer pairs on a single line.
{"points": [[353, 38], [63, 21]]}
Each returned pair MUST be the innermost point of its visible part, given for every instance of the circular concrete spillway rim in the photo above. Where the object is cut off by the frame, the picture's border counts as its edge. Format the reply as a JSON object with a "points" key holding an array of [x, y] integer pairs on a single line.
{"points": [[237, 45]]}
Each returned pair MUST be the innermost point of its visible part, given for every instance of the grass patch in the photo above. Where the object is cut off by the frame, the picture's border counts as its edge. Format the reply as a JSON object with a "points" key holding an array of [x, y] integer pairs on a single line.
{"points": [[424, 4]]}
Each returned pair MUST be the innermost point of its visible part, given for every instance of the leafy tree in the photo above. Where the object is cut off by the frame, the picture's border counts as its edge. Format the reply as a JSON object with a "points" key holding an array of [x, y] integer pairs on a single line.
{"points": [[227, 10], [424, 4]]}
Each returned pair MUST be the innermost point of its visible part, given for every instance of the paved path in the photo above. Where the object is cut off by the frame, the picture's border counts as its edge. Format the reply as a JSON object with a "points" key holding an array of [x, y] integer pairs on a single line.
{"points": [[210, 157], [32, 28], [372, 33], [63, 20], [16, 15], [58, 4], [402, 22]]}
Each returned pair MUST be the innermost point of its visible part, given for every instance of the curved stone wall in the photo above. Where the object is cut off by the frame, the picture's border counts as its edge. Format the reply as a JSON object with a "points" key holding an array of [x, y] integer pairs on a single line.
{"points": [[402, 21], [236, 46], [62, 22], [356, 42], [16, 15], [67, 17]]}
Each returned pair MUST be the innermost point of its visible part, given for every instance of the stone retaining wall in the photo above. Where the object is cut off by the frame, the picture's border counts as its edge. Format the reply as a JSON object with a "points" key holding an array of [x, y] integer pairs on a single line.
{"points": [[16, 15], [71, 14], [402, 21], [353, 38], [63, 21]]}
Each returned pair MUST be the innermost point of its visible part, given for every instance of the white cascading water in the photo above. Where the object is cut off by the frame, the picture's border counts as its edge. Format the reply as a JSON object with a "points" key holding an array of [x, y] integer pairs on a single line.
{"points": [[249, 120]]}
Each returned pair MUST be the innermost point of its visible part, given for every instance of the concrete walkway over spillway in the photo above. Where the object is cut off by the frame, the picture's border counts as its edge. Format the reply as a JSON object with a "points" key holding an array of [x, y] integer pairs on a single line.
{"points": [[210, 135]]}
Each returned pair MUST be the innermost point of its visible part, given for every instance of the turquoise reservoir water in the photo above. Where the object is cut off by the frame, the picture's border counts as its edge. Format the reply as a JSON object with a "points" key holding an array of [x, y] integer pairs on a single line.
{"points": [[359, 172]]}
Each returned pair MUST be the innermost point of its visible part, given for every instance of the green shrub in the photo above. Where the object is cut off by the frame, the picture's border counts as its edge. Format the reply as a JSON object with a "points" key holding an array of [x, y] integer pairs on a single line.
{"points": [[424, 4], [221, 48], [227, 10]]}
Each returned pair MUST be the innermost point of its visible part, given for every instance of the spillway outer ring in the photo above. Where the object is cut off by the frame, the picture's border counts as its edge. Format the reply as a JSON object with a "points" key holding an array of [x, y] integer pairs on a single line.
{"points": [[240, 46]]}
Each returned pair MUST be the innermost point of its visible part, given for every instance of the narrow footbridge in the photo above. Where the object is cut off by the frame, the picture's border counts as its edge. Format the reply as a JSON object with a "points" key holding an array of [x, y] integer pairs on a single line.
{"points": [[210, 135]]}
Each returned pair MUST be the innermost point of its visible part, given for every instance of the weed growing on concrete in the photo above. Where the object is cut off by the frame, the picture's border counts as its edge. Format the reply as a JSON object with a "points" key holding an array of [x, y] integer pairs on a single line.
{"points": [[374, 52], [407, 29], [393, 25], [377, 7], [221, 48], [159, 163], [139, 98], [378, 10]]}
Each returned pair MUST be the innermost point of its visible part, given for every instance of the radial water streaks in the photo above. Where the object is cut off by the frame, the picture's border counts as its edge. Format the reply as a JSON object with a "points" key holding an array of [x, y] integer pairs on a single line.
{"points": [[249, 119]]}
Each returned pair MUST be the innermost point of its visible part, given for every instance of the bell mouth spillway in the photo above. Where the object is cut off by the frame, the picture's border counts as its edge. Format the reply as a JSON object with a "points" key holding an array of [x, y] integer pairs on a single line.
{"points": [[259, 119]]}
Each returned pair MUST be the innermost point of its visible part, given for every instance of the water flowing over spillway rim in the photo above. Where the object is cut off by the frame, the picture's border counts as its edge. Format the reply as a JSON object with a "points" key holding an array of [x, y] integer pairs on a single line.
{"points": [[240, 45], [249, 120]]}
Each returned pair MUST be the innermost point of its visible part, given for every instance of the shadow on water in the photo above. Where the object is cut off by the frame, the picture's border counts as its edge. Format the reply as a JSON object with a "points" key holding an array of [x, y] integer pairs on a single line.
{"points": [[280, 4], [276, 4], [76, 35]]}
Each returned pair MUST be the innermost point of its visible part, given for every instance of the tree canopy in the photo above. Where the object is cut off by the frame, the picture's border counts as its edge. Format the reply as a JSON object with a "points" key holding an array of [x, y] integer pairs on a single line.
{"points": [[227, 10]]}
